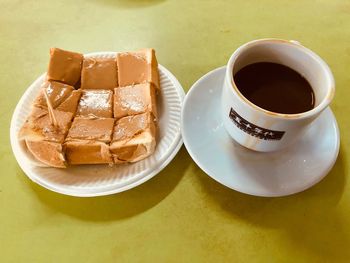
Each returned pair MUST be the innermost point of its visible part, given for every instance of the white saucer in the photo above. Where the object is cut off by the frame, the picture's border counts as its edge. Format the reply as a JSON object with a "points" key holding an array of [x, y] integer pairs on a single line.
{"points": [[96, 180], [262, 174]]}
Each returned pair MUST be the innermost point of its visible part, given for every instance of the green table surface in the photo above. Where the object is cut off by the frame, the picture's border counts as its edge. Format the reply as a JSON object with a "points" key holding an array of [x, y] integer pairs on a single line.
{"points": [[181, 215]]}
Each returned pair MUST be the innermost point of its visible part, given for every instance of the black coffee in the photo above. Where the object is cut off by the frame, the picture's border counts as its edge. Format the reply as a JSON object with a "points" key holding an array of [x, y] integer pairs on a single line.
{"points": [[275, 87]]}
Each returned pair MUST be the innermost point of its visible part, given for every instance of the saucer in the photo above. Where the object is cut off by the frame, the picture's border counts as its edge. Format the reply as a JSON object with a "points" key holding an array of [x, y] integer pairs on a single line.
{"points": [[281, 173]]}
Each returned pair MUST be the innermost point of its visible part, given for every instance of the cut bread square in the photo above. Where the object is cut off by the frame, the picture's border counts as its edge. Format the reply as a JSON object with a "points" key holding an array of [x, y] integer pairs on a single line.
{"points": [[137, 67], [99, 73], [95, 129], [43, 139], [95, 103], [64, 66], [133, 138], [135, 99], [87, 152], [57, 93], [48, 153], [87, 141], [40, 126], [61, 96]]}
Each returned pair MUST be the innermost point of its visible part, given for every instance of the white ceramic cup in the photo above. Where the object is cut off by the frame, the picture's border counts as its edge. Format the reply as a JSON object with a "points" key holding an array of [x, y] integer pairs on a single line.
{"points": [[262, 130]]}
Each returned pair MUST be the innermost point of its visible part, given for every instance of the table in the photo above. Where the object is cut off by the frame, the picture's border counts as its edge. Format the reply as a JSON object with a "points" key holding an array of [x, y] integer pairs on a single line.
{"points": [[181, 215]]}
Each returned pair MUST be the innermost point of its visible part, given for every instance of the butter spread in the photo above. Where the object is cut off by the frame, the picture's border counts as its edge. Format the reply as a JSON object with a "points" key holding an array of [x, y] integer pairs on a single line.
{"points": [[87, 152], [134, 99], [57, 93], [97, 103], [94, 110], [64, 66], [133, 138], [137, 67], [49, 153], [96, 129], [40, 127], [99, 73]]}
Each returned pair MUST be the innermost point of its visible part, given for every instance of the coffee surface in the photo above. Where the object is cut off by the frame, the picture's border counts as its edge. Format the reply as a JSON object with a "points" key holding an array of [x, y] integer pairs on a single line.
{"points": [[275, 87]]}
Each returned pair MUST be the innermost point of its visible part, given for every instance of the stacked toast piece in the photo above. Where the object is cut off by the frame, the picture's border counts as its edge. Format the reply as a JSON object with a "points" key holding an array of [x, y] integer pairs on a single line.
{"points": [[94, 110]]}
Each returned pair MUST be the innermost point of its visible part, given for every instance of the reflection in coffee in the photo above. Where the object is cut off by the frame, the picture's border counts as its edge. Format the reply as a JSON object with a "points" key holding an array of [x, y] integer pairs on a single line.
{"points": [[275, 88]]}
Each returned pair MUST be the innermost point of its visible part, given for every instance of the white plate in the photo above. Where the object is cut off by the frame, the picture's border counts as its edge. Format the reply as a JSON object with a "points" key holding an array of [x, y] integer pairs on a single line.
{"points": [[96, 180], [262, 174]]}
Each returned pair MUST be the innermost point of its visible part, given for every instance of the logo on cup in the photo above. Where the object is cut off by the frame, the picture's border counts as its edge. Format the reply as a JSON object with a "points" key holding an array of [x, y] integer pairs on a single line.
{"points": [[253, 129]]}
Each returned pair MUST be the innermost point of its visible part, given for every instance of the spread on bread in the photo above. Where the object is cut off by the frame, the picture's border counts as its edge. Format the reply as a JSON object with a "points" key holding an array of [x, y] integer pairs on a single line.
{"points": [[94, 110]]}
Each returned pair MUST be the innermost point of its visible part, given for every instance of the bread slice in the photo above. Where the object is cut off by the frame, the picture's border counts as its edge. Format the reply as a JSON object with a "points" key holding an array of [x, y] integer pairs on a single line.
{"points": [[134, 99], [39, 127], [43, 139], [87, 141], [133, 150], [95, 103], [133, 138], [56, 92], [87, 152], [59, 96], [49, 153], [71, 103], [64, 66], [138, 67], [99, 73], [94, 129]]}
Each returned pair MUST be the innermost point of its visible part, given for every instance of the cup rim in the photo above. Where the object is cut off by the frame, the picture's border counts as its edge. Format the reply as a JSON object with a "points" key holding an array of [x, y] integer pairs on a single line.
{"points": [[295, 44]]}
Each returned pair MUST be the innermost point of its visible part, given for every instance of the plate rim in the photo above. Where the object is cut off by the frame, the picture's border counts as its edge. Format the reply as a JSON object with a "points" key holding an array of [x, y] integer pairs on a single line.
{"points": [[193, 155], [32, 175]]}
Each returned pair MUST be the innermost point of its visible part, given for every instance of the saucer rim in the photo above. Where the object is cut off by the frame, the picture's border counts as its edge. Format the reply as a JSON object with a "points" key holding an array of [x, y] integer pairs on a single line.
{"points": [[193, 155]]}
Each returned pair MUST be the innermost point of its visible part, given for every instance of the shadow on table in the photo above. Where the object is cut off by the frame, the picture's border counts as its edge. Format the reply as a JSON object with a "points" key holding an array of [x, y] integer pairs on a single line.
{"points": [[309, 220], [121, 205], [130, 3]]}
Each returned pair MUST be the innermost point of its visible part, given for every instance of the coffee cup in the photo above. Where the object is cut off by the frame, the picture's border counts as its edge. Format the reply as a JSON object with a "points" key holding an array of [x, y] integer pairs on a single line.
{"points": [[257, 128]]}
